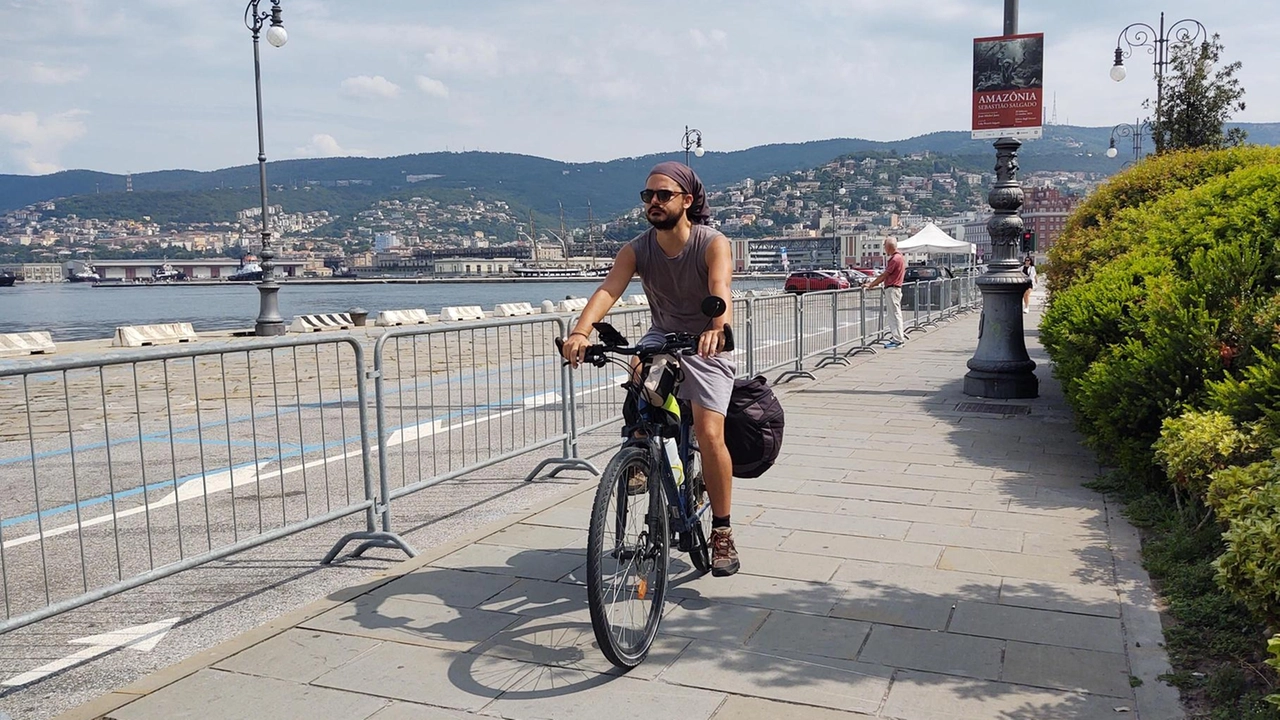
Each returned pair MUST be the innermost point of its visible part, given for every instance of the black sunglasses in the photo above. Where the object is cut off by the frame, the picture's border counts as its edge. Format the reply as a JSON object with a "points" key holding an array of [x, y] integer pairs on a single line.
{"points": [[664, 196]]}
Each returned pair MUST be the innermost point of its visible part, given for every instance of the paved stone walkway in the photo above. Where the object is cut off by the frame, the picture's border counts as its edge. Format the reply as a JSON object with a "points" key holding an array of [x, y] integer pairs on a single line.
{"points": [[909, 557]]}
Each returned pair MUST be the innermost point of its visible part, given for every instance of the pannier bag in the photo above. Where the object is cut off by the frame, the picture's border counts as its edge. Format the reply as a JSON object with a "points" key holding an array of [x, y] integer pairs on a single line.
{"points": [[753, 427]]}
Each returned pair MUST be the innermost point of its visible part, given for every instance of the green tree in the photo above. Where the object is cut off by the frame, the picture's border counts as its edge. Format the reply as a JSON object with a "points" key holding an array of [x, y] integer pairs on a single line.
{"points": [[1197, 99]]}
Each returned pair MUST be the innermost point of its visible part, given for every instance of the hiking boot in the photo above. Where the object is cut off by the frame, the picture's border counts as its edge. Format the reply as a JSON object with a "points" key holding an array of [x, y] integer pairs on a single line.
{"points": [[724, 556]]}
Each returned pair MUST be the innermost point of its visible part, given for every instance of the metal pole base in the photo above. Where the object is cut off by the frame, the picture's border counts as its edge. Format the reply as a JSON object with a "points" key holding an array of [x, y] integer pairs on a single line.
{"points": [[790, 375], [372, 539], [564, 464], [1000, 367], [269, 323]]}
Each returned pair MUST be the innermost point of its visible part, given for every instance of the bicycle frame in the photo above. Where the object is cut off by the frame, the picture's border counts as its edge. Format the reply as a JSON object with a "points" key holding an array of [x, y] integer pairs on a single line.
{"points": [[678, 493]]}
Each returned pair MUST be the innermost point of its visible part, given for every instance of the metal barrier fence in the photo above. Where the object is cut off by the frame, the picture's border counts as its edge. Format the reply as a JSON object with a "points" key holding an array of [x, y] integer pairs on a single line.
{"points": [[124, 469], [130, 467]]}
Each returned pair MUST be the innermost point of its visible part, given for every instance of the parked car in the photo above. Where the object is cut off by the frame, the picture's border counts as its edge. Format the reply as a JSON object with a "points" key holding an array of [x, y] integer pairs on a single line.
{"points": [[934, 295], [810, 280], [858, 277]]}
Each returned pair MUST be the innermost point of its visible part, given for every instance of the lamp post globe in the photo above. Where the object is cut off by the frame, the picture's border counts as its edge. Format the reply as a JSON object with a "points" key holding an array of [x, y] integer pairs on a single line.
{"points": [[1112, 152], [277, 36], [1118, 72], [698, 151]]}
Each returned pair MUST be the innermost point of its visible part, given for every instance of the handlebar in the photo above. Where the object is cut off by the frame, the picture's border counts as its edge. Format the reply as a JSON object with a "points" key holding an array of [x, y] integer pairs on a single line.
{"points": [[672, 344]]}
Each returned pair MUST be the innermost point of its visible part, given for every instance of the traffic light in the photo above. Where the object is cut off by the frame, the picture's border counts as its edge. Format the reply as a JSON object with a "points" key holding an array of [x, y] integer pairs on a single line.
{"points": [[1028, 241]]}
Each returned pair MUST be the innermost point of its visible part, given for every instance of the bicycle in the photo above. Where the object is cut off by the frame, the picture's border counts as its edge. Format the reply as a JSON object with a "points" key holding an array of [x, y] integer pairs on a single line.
{"points": [[628, 548]]}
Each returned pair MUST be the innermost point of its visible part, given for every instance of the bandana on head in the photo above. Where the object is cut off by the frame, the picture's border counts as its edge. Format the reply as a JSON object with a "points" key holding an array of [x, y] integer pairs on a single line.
{"points": [[699, 213]]}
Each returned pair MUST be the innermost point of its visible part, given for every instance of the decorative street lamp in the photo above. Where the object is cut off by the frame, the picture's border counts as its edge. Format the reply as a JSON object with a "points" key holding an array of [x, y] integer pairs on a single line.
{"points": [[1125, 130], [1157, 43], [269, 321], [692, 141], [1000, 366], [835, 233]]}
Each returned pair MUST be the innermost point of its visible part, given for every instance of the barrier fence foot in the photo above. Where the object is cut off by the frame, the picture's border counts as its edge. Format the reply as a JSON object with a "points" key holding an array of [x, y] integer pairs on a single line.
{"points": [[832, 360], [915, 328], [374, 539], [790, 375], [565, 464], [854, 351]]}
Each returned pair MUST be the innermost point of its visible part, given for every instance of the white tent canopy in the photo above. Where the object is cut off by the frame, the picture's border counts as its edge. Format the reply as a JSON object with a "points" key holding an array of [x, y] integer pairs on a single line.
{"points": [[933, 240]]}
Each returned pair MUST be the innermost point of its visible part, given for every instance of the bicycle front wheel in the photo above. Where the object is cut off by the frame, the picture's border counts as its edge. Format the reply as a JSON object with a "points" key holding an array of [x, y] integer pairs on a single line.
{"points": [[628, 546]]}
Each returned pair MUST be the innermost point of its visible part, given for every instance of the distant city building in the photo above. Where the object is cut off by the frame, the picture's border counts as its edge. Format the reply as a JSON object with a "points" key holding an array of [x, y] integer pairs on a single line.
{"points": [[383, 242], [1045, 212]]}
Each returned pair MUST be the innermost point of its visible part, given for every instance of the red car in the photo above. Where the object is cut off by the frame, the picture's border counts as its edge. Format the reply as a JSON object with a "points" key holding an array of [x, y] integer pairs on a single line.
{"points": [[809, 280]]}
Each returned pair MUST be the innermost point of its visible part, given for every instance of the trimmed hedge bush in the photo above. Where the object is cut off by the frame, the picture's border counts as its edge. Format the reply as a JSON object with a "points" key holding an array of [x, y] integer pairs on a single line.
{"points": [[1137, 339], [1088, 241], [1250, 506]]}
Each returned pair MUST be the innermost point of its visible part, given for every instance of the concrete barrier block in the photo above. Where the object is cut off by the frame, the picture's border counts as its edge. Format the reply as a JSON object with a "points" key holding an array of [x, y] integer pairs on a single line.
{"points": [[461, 312], [513, 309], [316, 323], [26, 343], [572, 305], [146, 335], [392, 318], [638, 300]]}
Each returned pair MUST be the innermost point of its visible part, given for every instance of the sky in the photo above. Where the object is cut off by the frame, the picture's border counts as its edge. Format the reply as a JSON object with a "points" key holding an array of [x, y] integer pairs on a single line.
{"points": [[141, 85]]}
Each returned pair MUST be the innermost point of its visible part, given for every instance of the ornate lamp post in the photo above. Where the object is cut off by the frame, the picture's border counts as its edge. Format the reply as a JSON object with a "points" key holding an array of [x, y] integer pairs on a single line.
{"points": [[1134, 131], [269, 321], [1000, 366], [692, 141], [1156, 40], [835, 230]]}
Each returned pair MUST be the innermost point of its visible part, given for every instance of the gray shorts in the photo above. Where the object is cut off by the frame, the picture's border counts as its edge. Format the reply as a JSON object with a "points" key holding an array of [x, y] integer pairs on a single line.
{"points": [[707, 381]]}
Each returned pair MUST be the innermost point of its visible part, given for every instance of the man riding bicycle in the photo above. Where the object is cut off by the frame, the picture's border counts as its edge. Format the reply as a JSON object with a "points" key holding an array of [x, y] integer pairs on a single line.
{"points": [[680, 261]]}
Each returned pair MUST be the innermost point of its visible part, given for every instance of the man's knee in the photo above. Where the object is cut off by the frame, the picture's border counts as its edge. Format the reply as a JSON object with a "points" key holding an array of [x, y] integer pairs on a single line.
{"points": [[709, 425]]}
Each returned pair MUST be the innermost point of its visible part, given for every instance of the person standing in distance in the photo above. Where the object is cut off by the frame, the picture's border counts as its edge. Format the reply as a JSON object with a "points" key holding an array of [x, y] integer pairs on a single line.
{"points": [[894, 270], [681, 260], [1028, 269]]}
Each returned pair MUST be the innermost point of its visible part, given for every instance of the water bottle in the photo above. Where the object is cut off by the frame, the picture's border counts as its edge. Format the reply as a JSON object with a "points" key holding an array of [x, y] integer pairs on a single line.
{"points": [[673, 457]]}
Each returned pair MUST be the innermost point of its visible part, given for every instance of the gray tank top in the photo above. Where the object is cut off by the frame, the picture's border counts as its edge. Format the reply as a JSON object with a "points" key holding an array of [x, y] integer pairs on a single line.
{"points": [[675, 286]]}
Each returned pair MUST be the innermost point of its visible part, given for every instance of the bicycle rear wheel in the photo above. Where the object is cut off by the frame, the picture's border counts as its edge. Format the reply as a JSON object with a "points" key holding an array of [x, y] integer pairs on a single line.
{"points": [[628, 547]]}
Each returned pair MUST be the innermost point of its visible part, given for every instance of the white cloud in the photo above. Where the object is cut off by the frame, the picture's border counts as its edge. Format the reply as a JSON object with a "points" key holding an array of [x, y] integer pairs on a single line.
{"points": [[34, 144], [324, 145], [432, 87], [717, 39], [363, 86], [42, 74]]}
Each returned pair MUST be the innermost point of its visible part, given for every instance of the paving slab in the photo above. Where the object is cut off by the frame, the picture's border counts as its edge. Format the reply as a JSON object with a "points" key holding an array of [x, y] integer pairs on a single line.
{"points": [[406, 621], [835, 524], [809, 634], [862, 548], [413, 711], [934, 651], [927, 696], [544, 696], [737, 707], [298, 655], [1048, 627], [461, 681], [218, 695], [811, 680], [1101, 673], [792, 566], [459, 588]]}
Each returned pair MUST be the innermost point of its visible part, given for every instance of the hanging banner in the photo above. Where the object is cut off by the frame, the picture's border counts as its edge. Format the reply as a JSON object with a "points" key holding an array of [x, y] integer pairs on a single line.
{"points": [[1008, 86]]}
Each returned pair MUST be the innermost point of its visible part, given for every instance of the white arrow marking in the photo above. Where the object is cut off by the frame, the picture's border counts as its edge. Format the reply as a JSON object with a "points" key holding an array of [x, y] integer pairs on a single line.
{"points": [[142, 638]]}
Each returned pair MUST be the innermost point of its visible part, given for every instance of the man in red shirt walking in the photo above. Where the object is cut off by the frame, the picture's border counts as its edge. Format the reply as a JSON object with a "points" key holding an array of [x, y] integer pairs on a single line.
{"points": [[891, 278]]}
